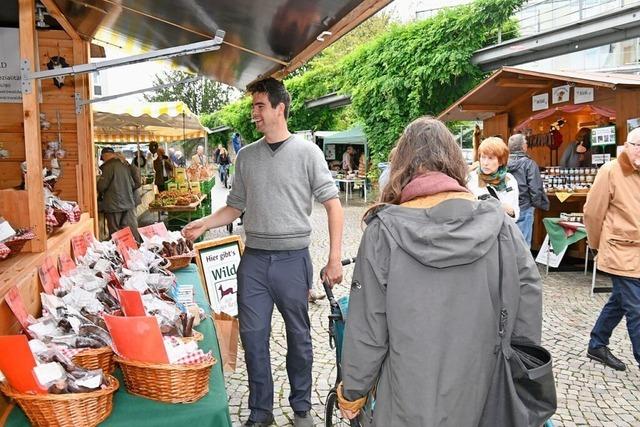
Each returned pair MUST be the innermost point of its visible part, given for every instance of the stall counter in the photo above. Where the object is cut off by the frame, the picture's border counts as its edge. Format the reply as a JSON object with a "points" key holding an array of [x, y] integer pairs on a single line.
{"points": [[129, 410]]}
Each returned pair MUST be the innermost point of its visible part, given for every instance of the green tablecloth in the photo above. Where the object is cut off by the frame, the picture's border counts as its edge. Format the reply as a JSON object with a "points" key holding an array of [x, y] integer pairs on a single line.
{"points": [[557, 235], [129, 410]]}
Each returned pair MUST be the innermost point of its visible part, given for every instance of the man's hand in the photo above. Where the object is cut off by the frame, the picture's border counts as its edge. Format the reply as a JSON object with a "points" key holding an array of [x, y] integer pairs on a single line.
{"points": [[333, 272], [349, 414], [194, 229]]}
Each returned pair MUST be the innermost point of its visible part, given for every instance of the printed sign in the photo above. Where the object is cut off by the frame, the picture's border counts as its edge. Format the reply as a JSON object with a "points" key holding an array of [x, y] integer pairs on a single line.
{"points": [[632, 124], [582, 95], [600, 159], [218, 261], [540, 102], [10, 89], [603, 136], [560, 94], [330, 152], [546, 256]]}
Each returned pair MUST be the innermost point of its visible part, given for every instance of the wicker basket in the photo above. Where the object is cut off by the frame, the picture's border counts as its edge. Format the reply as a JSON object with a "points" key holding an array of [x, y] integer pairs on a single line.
{"points": [[66, 410], [166, 383], [96, 358], [179, 261]]}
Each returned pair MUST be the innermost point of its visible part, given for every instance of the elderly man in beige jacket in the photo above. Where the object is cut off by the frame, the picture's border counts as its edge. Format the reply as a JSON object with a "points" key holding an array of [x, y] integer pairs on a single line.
{"points": [[612, 219], [199, 158]]}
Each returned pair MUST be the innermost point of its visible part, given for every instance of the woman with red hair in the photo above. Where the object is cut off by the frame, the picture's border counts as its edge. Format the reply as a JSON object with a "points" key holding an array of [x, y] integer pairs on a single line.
{"points": [[491, 178]]}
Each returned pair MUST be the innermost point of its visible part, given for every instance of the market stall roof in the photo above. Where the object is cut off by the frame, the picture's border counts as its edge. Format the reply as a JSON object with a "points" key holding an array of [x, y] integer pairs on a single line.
{"points": [[511, 85], [145, 122], [355, 135], [270, 37]]}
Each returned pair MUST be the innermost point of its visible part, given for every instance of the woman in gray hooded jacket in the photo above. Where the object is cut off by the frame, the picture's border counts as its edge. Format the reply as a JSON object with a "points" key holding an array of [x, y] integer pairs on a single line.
{"points": [[423, 313]]}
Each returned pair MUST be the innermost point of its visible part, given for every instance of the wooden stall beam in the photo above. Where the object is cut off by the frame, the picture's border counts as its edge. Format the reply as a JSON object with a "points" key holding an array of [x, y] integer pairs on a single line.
{"points": [[515, 82], [482, 107], [31, 117], [56, 14], [521, 98]]}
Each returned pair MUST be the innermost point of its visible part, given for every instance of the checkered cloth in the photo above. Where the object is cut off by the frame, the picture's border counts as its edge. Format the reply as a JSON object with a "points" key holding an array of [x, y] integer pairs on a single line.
{"points": [[195, 358], [70, 352], [50, 218], [27, 235], [4, 251], [74, 214]]}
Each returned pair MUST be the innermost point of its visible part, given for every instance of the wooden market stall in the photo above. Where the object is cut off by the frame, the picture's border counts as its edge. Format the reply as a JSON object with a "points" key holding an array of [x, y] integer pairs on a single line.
{"points": [[516, 100], [58, 34], [25, 140], [117, 123]]}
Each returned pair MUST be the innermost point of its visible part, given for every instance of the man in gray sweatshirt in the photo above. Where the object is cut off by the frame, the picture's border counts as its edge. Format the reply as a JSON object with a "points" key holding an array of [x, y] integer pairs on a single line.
{"points": [[276, 180]]}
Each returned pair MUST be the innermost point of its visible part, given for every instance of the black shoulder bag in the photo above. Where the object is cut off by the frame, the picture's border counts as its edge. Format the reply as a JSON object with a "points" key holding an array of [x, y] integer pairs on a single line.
{"points": [[522, 391]]}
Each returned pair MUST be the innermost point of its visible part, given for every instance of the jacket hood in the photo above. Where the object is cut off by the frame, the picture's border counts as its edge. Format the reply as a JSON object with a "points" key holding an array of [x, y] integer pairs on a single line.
{"points": [[517, 160], [454, 232]]}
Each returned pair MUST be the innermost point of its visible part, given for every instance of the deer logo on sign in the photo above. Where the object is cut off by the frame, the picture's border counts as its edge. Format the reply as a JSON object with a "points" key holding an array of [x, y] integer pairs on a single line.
{"points": [[224, 292]]}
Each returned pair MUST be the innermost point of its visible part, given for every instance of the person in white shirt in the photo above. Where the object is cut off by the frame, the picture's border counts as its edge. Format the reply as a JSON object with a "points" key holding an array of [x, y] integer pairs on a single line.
{"points": [[491, 178], [347, 159]]}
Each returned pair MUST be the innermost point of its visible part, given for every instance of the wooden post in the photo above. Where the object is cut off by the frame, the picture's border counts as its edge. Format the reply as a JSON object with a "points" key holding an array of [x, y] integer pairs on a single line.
{"points": [[86, 149], [31, 116]]}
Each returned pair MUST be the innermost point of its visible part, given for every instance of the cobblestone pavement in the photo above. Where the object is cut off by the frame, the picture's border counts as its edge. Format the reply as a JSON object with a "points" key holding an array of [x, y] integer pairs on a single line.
{"points": [[588, 393]]}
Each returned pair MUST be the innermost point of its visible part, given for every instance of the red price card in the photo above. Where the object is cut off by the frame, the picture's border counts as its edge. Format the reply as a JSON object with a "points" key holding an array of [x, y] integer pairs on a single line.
{"points": [[131, 302], [17, 365], [137, 338], [66, 264], [79, 246], [16, 304], [88, 238], [49, 276], [157, 229], [124, 251], [124, 237]]}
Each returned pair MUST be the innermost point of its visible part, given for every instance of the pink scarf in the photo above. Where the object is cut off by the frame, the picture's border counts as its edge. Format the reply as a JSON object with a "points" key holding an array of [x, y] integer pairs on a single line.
{"points": [[429, 184]]}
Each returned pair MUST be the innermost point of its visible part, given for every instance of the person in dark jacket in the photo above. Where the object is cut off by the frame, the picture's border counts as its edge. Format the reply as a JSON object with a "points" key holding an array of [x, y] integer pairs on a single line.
{"points": [[422, 324], [531, 190], [116, 186], [163, 168]]}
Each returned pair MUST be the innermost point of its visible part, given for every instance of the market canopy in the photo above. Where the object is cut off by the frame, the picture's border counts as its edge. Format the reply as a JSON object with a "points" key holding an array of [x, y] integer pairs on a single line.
{"points": [[355, 135], [512, 85], [263, 38], [145, 122]]}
